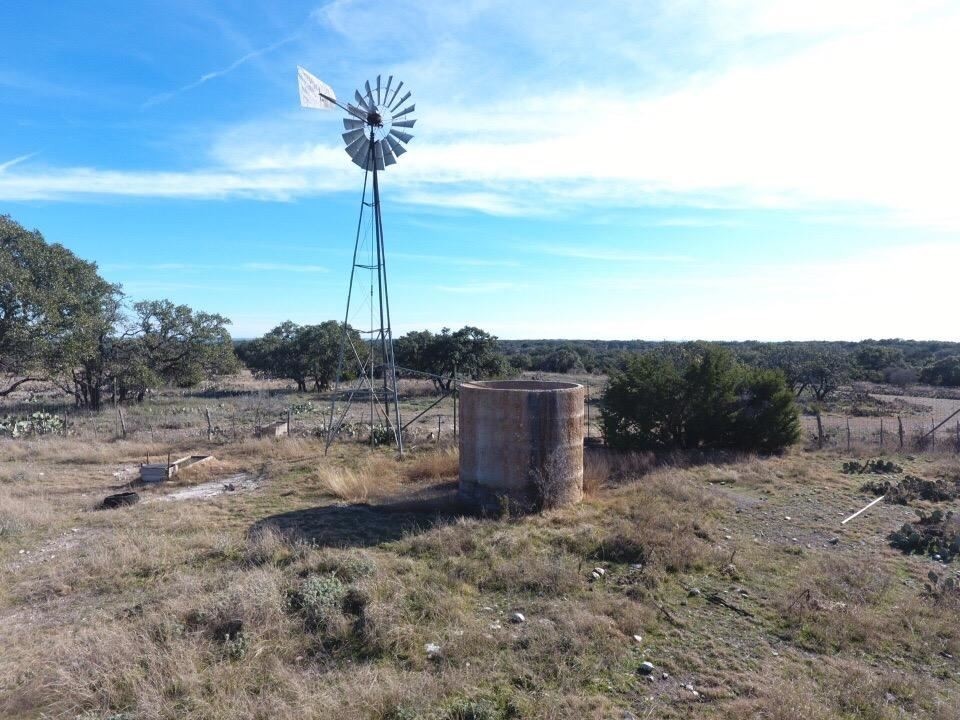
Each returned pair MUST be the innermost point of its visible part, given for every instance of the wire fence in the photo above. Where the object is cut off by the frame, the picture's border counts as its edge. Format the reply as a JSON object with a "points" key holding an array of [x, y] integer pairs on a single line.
{"points": [[918, 433]]}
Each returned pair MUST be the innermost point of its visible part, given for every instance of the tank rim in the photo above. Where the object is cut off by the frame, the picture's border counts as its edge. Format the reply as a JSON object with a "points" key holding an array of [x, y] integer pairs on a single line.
{"points": [[521, 386]]}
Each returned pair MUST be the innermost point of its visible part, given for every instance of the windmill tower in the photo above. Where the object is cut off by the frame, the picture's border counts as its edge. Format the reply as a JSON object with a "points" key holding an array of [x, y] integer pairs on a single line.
{"points": [[366, 370]]}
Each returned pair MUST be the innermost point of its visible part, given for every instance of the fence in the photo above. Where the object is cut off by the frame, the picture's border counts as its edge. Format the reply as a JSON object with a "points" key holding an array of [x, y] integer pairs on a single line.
{"points": [[903, 432]]}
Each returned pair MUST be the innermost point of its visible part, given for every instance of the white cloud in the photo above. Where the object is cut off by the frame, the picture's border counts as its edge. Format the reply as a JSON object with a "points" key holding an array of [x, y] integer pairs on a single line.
{"points": [[591, 252], [475, 288], [283, 267], [859, 114]]}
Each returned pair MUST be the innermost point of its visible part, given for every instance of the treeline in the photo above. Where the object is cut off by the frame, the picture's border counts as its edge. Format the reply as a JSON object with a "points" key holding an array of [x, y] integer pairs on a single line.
{"points": [[311, 354], [63, 324], [814, 365]]}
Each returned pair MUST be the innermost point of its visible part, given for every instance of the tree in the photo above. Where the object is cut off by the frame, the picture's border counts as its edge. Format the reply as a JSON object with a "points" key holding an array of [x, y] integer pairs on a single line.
{"points": [[55, 309], [943, 372], [168, 344], [470, 352], [562, 360], [276, 355], [805, 366], [320, 344], [871, 362], [698, 398], [766, 417], [302, 353]]}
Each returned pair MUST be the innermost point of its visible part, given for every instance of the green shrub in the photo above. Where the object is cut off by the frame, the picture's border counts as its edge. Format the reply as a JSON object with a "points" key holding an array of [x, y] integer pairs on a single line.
{"points": [[319, 599], [699, 398]]}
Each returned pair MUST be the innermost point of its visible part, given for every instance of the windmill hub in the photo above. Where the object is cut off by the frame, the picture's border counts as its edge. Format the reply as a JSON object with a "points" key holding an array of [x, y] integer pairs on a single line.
{"points": [[375, 119]]}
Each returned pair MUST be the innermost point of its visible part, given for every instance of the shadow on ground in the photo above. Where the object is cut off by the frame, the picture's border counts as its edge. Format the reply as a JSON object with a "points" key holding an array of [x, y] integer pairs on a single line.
{"points": [[366, 524]]}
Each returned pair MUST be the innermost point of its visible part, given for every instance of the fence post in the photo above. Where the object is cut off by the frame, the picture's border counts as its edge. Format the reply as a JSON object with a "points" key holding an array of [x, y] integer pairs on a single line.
{"points": [[439, 417], [819, 431], [288, 422], [900, 430], [848, 434], [588, 411], [209, 425], [881, 432], [933, 434], [123, 425]]}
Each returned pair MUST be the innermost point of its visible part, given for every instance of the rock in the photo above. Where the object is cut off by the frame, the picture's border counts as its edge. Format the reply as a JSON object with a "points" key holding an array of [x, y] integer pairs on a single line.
{"points": [[694, 592], [646, 667], [636, 566], [638, 638], [834, 540], [787, 517], [627, 715], [728, 537], [600, 571], [433, 651], [665, 676], [594, 576], [937, 558], [517, 618]]}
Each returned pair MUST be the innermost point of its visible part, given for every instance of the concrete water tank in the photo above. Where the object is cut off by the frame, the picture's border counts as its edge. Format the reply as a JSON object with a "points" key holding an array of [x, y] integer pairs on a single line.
{"points": [[521, 440]]}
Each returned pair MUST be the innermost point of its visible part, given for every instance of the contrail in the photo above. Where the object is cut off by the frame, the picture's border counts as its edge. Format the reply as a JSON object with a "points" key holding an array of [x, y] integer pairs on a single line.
{"points": [[207, 77], [15, 161]]}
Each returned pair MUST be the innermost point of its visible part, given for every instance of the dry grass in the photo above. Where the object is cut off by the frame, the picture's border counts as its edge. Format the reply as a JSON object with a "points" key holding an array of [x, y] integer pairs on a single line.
{"points": [[21, 510], [432, 465], [602, 466], [202, 609]]}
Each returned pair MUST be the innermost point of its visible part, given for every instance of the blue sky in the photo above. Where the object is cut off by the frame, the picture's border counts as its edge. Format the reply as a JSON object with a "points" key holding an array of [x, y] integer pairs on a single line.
{"points": [[662, 170]]}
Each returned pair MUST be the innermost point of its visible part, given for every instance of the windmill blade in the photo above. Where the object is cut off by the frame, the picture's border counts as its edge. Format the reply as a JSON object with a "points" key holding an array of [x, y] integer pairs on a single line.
{"points": [[402, 136], [400, 102], [386, 90], [314, 93], [360, 101], [405, 111], [378, 89], [378, 155], [353, 147], [361, 152], [352, 124], [369, 95], [395, 93], [402, 123], [351, 136], [388, 157], [397, 148]]}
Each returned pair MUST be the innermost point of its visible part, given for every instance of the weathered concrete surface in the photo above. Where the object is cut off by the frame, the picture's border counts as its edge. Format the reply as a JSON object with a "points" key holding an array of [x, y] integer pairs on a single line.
{"points": [[523, 440]]}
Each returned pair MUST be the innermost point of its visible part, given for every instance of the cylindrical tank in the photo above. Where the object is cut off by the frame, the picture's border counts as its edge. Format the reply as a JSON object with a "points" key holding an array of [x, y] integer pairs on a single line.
{"points": [[521, 440]]}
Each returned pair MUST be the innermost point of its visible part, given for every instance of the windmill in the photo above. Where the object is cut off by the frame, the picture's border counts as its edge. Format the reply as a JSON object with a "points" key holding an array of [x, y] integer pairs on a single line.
{"points": [[375, 137]]}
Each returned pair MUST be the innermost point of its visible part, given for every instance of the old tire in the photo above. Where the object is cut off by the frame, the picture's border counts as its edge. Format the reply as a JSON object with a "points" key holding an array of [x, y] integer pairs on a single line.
{"points": [[120, 500]]}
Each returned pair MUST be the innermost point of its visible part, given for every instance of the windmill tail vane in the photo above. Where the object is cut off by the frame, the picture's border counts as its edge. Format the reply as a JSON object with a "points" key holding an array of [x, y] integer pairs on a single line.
{"points": [[376, 134]]}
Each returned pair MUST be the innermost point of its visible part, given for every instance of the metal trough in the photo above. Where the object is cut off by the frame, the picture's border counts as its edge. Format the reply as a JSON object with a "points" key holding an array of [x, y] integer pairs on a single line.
{"points": [[158, 472]]}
